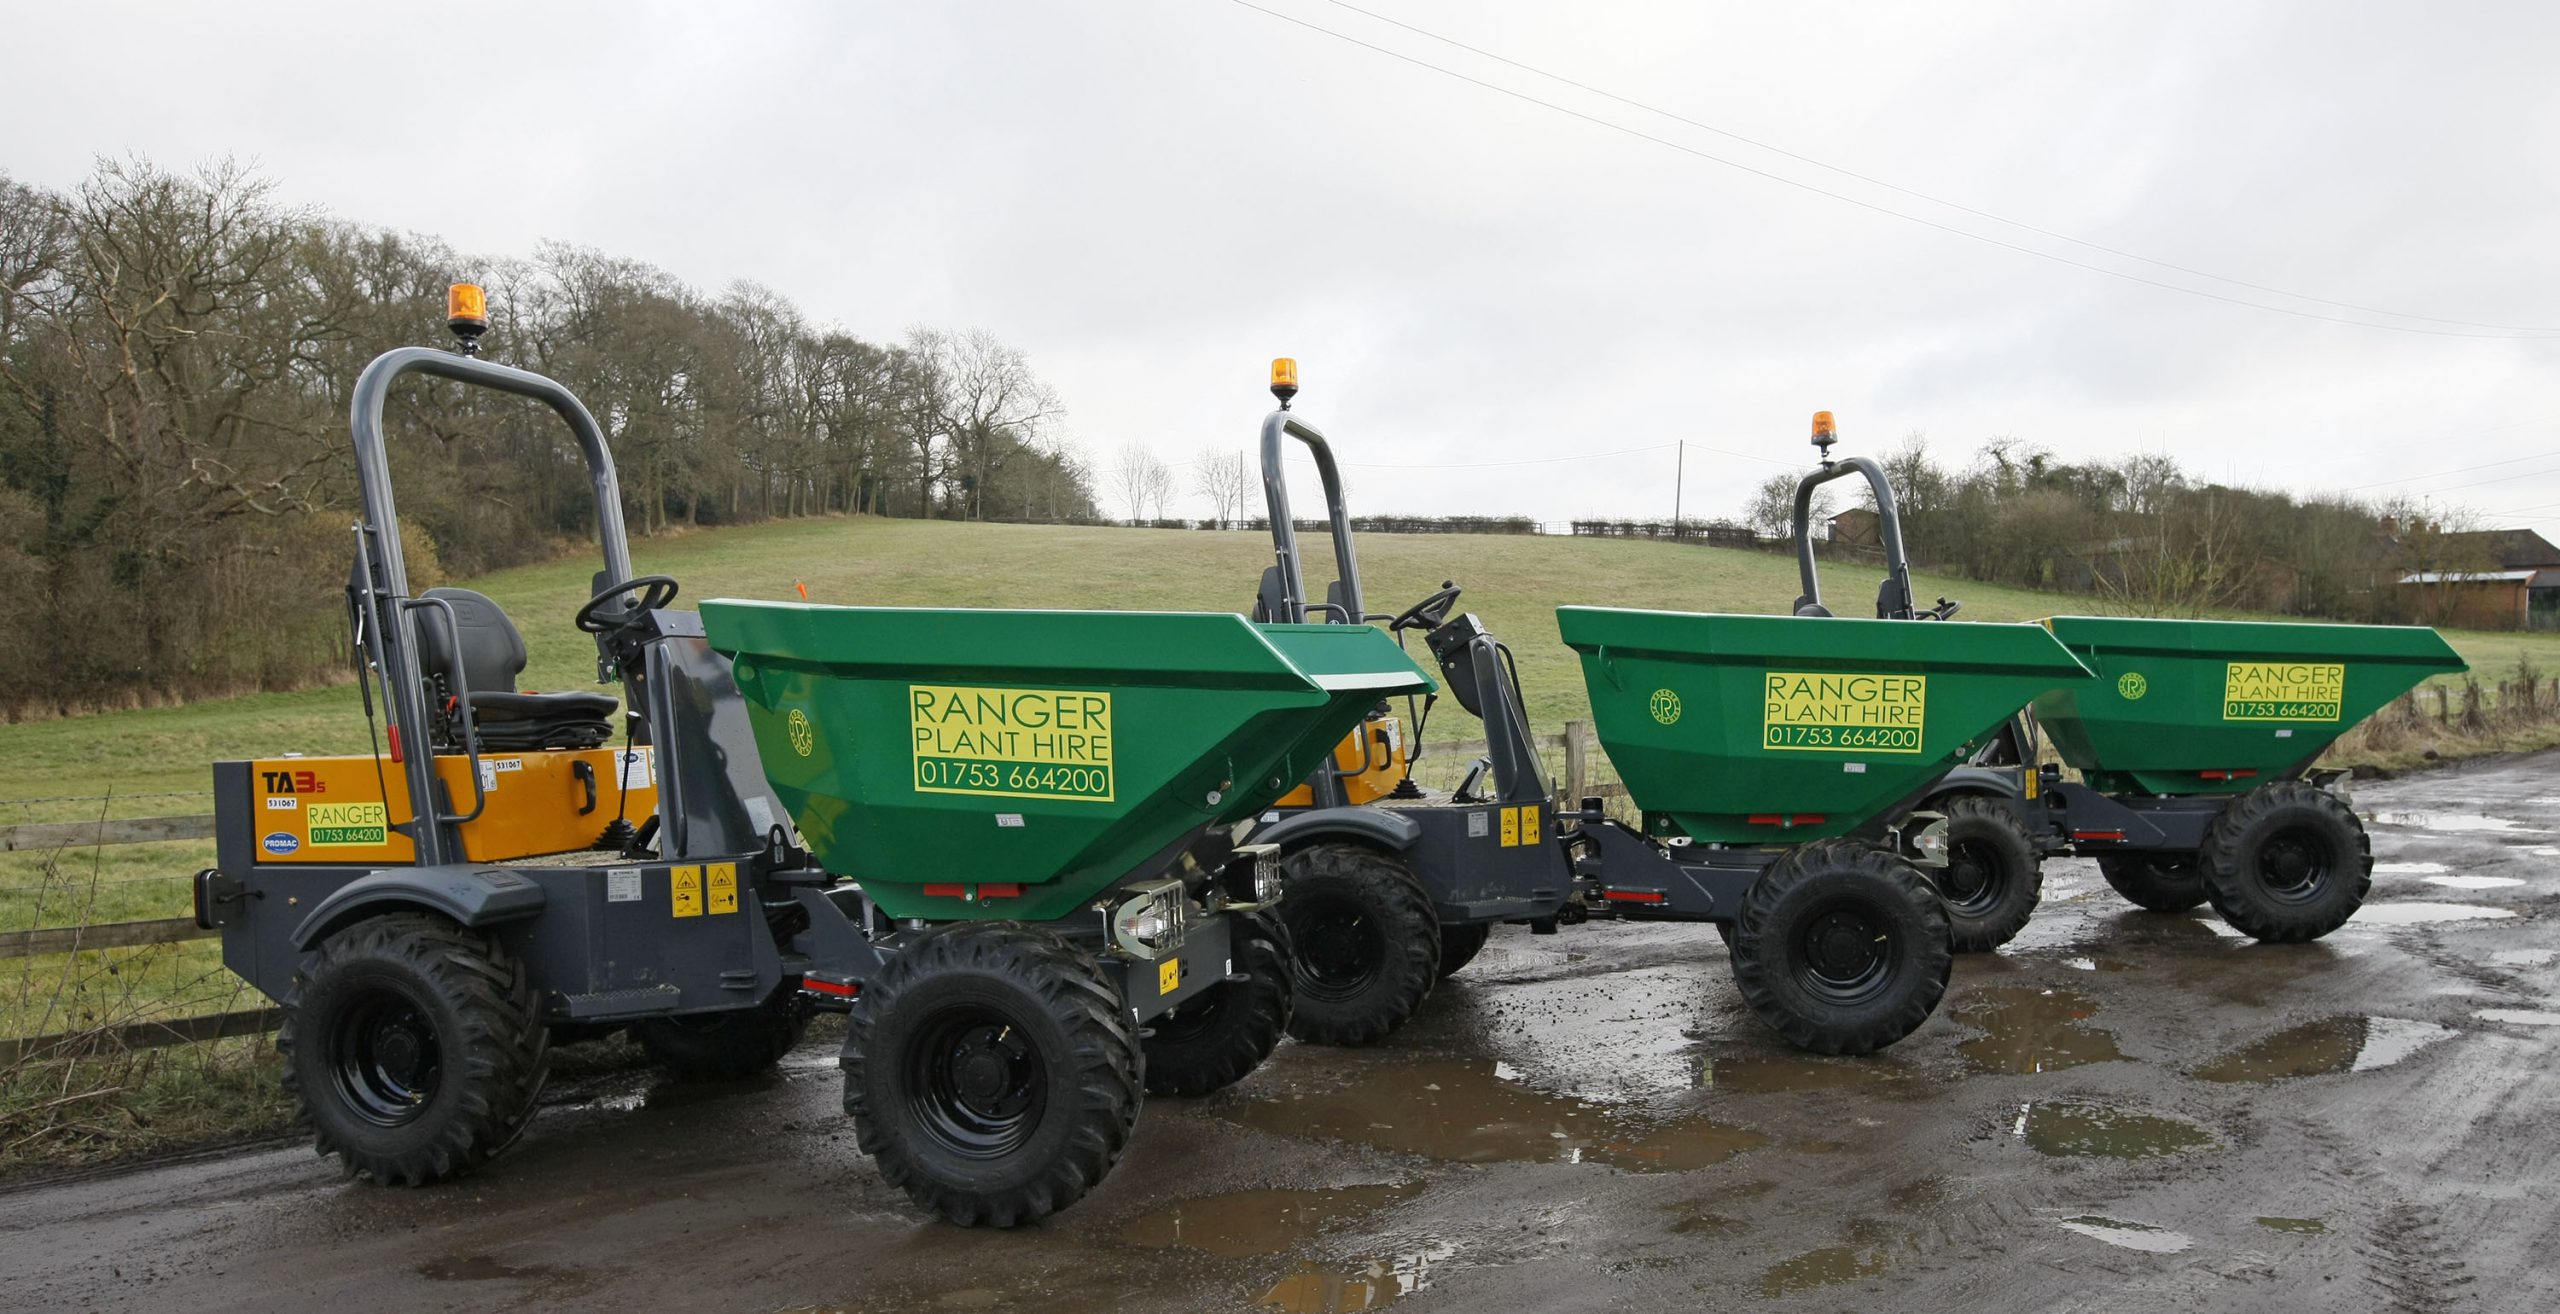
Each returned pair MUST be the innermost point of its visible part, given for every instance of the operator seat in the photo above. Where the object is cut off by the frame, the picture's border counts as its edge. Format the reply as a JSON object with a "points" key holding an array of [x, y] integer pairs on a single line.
{"points": [[481, 651]]}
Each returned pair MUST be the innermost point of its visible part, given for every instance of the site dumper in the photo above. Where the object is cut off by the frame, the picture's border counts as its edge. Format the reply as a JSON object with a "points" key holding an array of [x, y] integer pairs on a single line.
{"points": [[2195, 742], [1776, 761], [1004, 843]]}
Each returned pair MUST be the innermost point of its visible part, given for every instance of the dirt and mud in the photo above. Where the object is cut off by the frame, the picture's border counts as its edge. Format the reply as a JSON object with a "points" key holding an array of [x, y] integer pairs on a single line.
{"points": [[2121, 1111]]}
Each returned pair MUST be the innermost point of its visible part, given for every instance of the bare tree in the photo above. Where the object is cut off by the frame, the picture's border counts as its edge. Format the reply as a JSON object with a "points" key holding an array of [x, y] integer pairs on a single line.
{"points": [[1220, 478], [1772, 509], [1160, 486], [1136, 477]]}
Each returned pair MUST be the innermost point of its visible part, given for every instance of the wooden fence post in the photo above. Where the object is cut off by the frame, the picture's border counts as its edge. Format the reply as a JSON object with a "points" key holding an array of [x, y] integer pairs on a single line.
{"points": [[1577, 762]]}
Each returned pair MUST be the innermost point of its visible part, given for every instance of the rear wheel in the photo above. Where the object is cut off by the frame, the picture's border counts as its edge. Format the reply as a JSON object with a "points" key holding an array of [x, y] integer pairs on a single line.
{"points": [[991, 1073], [413, 1048], [1459, 944], [2154, 882], [1367, 943], [1217, 1036], [723, 1046], [1842, 948], [2287, 862], [1994, 878]]}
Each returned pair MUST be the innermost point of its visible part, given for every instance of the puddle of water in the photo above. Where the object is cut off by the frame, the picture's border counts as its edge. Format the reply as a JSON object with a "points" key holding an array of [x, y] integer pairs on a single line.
{"points": [[2130, 1236], [2072, 1129], [2524, 957], [1780, 1074], [2523, 1017], [1822, 1268], [2419, 914], [2307, 1226], [2408, 868], [2474, 882], [1241, 1224], [2030, 1029], [1365, 1285], [482, 1268], [1644, 1025], [1469, 1111], [2332, 1044], [2476, 823]]}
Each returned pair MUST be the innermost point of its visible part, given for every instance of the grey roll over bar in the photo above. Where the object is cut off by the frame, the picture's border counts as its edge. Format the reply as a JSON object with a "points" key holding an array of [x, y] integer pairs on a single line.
{"points": [[384, 579], [1893, 601], [1295, 608]]}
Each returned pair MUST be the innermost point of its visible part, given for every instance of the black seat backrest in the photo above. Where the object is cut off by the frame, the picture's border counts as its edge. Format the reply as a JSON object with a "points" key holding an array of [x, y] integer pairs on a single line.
{"points": [[1266, 599], [487, 651]]}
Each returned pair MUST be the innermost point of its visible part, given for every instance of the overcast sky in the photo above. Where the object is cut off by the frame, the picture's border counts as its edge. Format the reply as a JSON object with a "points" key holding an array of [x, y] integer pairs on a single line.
{"points": [[1152, 198]]}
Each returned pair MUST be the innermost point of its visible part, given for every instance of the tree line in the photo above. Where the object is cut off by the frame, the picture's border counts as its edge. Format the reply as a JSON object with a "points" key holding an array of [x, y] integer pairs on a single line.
{"points": [[176, 484]]}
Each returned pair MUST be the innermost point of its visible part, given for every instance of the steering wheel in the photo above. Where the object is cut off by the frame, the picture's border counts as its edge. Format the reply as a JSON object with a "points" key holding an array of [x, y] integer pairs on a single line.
{"points": [[1428, 613], [1944, 610], [655, 591]]}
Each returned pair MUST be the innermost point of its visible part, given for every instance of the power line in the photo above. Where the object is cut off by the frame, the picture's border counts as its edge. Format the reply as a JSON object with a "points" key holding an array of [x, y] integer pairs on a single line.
{"points": [[1871, 180], [1984, 238]]}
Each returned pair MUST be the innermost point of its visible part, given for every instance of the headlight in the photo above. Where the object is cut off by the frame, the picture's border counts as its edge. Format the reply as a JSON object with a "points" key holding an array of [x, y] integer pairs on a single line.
{"points": [[1150, 923], [1266, 873], [1931, 844]]}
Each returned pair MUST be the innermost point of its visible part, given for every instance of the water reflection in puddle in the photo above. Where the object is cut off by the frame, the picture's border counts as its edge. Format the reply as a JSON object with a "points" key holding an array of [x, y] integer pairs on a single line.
{"points": [[2420, 914], [2523, 1017], [2029, 1029], [2524, 957], [2474, 882], [2408, 868], [2074, 1129], [2454, 822], [1780, 1074], [1469, 1111], [2130, 1236], [1363, 1285], [2333, 1044], [1245, 1223], [1822, 1268], [2306, 1226]]}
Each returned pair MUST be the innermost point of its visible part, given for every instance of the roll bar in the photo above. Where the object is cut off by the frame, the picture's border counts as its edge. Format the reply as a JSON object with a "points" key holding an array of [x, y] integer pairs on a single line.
{"points": [[1294, 606], [1893, 601], [385, 600]]}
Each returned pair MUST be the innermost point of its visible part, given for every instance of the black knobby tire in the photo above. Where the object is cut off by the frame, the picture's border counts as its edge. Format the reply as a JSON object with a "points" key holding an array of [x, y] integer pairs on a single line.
{"points": [[2287, 862], [1842, 948], [992, 1073], [413, 1048], [2154, 882], [1223, 1033], [1994, 877], [725, 1046], [1459, 944], [1366, 942]]}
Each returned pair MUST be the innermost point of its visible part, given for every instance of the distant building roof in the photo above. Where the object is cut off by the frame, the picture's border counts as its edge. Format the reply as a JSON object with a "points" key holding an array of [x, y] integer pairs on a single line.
{"points": [[2512, 549], [2473, 576]]}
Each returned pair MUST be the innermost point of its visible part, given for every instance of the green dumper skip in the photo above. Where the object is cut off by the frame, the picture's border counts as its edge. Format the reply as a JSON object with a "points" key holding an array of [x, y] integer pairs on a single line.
{"points": [[1783, 729], [2218, 707], [926, 753]]}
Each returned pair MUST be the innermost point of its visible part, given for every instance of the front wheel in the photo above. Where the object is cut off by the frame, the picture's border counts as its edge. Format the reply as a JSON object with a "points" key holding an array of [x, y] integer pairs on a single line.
{"points": [[723, 1046], [1842, 948], [2286, 862], [1366, 939], [1215, 1037], [991, 1073], [1994, 878], [413, 1048], [2153, 882], [1459, 944]]}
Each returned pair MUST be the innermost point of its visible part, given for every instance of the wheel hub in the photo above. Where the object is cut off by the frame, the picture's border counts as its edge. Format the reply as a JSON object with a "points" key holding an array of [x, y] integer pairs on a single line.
{"points": [[1339, 948], [2293, 865], [1844, 956], [1968, 876], [978, 1082], [384, 1057]]}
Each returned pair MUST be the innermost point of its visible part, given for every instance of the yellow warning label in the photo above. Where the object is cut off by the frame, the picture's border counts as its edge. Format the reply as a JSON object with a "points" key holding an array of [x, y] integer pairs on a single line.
{"points": [[1168, 975], [2283, 691], [1529, 823], [1012, 743], [346, 824], [1510, 828], [685, 888], [720, 885], [1843, 713]]}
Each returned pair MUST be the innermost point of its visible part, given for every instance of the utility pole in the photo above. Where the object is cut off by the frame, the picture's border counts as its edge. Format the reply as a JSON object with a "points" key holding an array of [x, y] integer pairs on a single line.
{"points": [[1679, 473]]}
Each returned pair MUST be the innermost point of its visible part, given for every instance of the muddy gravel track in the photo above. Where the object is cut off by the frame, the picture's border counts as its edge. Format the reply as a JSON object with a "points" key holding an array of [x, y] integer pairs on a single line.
{"points": [[2121, 1111]]}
